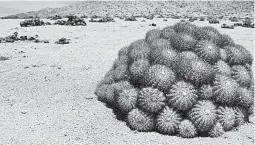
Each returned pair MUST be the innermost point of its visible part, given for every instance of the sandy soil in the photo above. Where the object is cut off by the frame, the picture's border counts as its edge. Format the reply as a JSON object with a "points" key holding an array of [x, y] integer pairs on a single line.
{"points": [[47, 90]]}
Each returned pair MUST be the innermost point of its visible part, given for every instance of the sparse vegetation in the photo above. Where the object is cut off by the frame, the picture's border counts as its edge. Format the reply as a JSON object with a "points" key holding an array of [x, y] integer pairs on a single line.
{"points": [[103, 20], [3, 58], [56, 17], [131, 18], [72, 21], [33, 22], [63, 41], [214, 21], [14, 37]]}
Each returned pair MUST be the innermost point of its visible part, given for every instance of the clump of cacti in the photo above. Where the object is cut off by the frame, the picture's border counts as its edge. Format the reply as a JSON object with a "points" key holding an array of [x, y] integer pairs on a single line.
{"points": [[72, 21], [33, 22], [182, 80]]}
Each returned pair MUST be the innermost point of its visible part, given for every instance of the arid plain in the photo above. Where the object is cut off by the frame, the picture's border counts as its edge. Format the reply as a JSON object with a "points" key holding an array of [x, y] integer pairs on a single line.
{"points": [[47, 90]]}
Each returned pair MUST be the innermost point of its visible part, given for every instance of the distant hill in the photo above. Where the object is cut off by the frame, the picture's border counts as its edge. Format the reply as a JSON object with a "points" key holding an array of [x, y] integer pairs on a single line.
{"points": [[141, 8]]}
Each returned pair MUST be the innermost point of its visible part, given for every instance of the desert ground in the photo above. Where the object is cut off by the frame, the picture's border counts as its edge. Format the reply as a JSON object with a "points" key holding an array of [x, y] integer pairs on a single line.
{"points": [[47, 90]]}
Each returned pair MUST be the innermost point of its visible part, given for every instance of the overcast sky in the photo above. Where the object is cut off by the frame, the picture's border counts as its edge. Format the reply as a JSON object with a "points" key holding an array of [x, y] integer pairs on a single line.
{"points": [[15, 7]]}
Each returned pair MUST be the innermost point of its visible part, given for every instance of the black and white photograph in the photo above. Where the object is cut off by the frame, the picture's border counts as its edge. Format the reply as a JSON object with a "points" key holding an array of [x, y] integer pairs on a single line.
{"points": [[176, 72]]}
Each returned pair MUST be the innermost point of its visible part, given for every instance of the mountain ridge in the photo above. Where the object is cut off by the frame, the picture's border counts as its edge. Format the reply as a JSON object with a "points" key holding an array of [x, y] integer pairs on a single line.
{"points": [[145, 8]]}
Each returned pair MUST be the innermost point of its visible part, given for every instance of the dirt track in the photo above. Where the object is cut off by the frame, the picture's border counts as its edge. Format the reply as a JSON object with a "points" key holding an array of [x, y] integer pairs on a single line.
{"points": [[47, 92]]}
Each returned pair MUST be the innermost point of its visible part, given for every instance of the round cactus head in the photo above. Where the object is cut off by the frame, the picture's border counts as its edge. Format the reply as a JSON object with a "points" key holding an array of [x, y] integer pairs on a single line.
{"points": [[138, 50], [226, 116], [167, 57], [168, 120], [187, 129], [168, 32], [225, 89], [159, 76], [207, 51], [203, 115], [183, 42], [159, 44], [152, 35], [151, 100], [140, 120], [126, 100], [185, 27], [182, 96], [238, 55], [216, 131]]}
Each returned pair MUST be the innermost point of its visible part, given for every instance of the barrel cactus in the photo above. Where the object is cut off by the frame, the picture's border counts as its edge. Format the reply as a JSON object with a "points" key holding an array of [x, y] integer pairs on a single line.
{"points": [[183, 80]]}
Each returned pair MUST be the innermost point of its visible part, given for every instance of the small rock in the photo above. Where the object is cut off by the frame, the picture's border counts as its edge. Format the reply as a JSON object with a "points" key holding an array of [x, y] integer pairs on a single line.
{"points": [[23, 112]]}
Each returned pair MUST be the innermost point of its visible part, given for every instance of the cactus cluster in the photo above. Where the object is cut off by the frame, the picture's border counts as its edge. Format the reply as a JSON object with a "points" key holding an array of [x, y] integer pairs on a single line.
{"points": [[182, 80]]}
